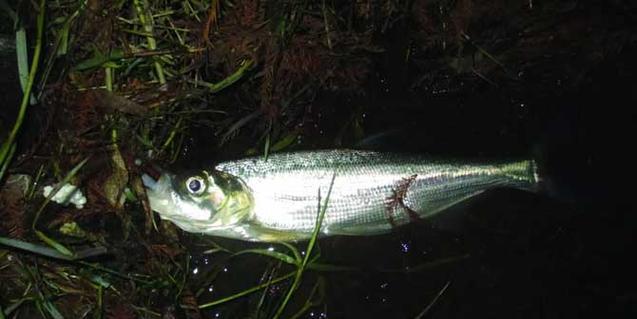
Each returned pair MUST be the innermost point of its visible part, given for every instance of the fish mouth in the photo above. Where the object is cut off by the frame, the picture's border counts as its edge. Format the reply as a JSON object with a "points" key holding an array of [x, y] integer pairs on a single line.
{"points": [[155, 185], [149, 182], [159, 191], [158, 184], [151, 175]]}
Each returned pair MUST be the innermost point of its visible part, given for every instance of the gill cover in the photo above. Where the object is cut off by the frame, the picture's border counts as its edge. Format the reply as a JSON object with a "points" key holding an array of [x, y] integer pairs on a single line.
{"points": [[201, 201]]}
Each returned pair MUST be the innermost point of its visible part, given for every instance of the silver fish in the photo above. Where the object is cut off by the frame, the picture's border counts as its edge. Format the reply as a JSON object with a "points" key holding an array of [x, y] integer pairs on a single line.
{"points": [[277, 199]]}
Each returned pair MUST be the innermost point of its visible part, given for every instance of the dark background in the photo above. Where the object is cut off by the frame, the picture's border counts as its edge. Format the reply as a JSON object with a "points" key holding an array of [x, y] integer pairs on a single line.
{"points": [[562, 89]]}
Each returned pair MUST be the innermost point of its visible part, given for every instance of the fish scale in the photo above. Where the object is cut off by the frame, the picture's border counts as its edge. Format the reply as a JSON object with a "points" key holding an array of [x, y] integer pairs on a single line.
{"points": [[277, 199], [285, 187]]}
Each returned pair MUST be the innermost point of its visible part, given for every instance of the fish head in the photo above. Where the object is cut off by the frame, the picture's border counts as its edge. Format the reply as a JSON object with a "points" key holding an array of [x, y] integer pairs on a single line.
{"points": [[200, 201]]}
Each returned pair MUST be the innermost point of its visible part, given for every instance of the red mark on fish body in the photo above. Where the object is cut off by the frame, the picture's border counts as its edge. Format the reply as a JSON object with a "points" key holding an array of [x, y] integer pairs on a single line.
{"points": [[397, 199]]}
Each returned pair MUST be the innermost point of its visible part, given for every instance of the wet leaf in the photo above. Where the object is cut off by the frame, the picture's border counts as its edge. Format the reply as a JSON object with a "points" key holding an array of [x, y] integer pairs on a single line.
{"points": [[99, 59], [72, 229], [110, 102], [117, 181], [284, 142]]}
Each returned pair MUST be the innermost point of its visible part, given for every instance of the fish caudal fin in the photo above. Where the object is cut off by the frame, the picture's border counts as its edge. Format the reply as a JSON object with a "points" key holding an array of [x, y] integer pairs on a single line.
{"points": [[522, 175]]}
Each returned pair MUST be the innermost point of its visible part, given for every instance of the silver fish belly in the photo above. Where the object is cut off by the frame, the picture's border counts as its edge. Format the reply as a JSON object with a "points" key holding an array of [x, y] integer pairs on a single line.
{"points": [[372, 192]]}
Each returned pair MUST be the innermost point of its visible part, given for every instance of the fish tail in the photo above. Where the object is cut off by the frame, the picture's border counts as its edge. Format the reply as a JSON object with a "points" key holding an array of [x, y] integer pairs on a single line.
{"points": [[522, 174], [563, 161]]}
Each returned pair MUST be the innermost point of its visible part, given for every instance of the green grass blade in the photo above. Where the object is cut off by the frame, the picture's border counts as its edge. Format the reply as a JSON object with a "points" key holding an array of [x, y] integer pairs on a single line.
{"points": [[247, 291], [245, 66], [114, 273], [319, 222], [55, 190], [308, 250], [425, 311], [33, 248], [285, 141], [146, 19], [56, 245], [15, 305], [57, 253], [294, 251], [51, 309], [309, 303], [5, 165], [274, 254], [22, 56], [98, 59], [429, 265], [258, 310], [234, 128], [6, 145], [32, 188], [266, 147]]}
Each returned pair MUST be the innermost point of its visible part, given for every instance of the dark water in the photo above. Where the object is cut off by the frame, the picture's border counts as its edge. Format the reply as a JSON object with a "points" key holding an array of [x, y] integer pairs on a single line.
{"points": [[506, 253]]}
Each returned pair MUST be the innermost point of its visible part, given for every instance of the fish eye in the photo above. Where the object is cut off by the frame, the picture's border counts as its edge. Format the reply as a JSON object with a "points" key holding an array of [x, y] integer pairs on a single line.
{"points": [[195, 185]]}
